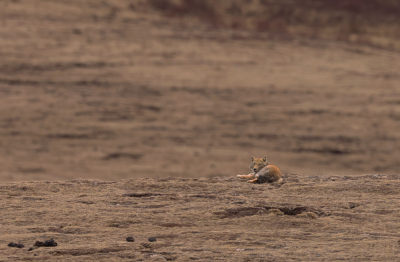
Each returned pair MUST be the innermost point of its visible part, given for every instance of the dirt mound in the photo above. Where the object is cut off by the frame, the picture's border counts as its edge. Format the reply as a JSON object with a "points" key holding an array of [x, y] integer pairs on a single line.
{"points": [[174, 219]]}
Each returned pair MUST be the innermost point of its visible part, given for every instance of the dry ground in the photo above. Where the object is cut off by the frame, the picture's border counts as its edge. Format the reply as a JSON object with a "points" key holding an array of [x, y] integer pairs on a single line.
{"points": [[162, 112], [94, 90], [218, 219]]}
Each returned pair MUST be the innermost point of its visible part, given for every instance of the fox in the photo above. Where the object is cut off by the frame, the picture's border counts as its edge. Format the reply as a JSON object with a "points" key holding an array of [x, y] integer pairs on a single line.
{"points": [[262, 172]]}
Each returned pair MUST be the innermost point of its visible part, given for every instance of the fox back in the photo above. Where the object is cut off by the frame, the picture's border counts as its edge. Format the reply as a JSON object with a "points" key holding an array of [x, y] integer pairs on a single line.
{"points": [[264, 172]]}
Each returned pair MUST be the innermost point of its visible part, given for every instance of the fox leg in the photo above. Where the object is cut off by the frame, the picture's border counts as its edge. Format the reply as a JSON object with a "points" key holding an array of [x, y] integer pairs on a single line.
{"points": [[251, 175], [253, 180]]}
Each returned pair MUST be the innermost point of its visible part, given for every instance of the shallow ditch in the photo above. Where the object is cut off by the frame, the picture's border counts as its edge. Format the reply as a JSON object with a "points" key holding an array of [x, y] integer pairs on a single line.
{"points": [[251, 211]]}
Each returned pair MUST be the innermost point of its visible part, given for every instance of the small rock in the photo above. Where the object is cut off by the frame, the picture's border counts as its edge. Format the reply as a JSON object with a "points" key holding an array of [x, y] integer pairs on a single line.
{"points": [[47, 243], [12, 244], [275, 212], [152, 239], [146, 245], [353, 205], [130, 239]]}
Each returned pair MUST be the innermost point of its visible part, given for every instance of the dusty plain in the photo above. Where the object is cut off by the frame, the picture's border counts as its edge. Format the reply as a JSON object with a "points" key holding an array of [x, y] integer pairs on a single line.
{"points": [[117, 121], [198, 219]]}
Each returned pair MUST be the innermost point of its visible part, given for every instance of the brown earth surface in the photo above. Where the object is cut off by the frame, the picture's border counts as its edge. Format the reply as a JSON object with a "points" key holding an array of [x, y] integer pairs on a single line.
{"points": [[338, 218], [99, 90], [162, 108]]}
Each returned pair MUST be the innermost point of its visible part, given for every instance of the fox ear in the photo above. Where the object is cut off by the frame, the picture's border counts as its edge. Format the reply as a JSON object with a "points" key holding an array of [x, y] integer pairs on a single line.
{"points": [[252, 158], [265, 159]]}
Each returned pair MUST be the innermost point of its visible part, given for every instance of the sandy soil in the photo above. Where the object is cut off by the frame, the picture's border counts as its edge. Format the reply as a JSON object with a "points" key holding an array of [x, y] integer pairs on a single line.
{"points": [[89, 90], [162, 112], [218, 219]]}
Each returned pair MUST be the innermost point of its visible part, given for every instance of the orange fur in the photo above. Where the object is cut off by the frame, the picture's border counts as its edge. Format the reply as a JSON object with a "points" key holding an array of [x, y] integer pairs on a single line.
{"points": [[262, 172]]}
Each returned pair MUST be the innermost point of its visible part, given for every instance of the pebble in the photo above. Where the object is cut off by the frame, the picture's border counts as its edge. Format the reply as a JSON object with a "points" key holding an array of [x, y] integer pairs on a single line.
{"points": [[12, 244], [152, 239], [130, 239], [47, 243]]}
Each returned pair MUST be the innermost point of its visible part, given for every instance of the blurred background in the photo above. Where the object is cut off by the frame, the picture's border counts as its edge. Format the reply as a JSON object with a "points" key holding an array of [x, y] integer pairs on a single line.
{"points": [[154, 88]]}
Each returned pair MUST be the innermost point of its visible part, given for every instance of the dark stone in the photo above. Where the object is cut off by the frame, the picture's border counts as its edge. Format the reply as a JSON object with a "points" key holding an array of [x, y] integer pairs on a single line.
{"points": [[146, 245], [353, 205], [47, 243], [130, 239], [152, 239], [12, 244]]}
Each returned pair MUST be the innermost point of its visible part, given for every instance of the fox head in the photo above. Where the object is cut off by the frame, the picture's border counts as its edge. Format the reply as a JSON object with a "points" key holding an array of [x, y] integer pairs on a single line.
{"points": [[257, 163]]}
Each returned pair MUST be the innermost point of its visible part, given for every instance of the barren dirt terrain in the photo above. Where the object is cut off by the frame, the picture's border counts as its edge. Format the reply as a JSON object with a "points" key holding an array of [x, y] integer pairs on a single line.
{"points": [[131, 118], [97, 91], [219, 219]]}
